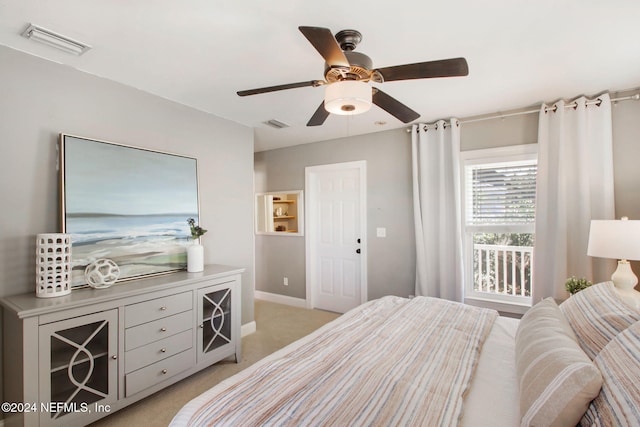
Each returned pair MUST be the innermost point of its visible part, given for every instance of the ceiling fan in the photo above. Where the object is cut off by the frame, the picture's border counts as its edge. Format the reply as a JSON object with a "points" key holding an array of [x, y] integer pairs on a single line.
{"points": [[347, 75]]}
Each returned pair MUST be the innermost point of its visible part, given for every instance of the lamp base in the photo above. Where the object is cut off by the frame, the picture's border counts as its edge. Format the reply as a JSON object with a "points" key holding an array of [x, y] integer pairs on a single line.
{"points": [[625, 281]]}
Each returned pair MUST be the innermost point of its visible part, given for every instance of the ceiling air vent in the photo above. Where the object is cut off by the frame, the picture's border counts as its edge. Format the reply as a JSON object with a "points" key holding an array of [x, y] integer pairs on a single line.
{"points": [[52, 39], [276, 124]]}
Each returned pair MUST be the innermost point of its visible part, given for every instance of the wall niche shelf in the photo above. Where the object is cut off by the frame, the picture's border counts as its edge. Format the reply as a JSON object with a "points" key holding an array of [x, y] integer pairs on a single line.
{"points": [[280, 213]]}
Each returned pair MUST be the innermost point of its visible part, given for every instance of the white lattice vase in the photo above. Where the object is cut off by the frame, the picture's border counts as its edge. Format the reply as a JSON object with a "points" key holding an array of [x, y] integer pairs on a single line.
{"points": [[53, 265], [195, 258]]}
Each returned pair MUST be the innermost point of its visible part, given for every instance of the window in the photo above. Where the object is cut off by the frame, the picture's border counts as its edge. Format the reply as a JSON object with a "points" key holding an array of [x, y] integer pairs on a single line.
{"points": [[499, 188]]}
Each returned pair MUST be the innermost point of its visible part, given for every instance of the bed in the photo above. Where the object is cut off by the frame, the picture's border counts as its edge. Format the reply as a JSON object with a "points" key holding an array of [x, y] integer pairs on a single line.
{"points": [[426, 361]]}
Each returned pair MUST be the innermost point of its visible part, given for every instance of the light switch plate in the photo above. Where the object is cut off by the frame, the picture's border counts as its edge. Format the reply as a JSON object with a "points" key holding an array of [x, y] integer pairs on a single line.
{"points": [[381, 232]]}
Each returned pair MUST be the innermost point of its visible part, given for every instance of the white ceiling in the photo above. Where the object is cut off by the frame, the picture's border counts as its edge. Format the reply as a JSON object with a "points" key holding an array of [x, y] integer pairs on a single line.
{"points": [[200, 52]]}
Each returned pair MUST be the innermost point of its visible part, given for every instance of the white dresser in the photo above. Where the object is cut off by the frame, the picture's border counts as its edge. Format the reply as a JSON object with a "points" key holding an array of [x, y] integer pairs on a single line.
{"points": [[74, 359]]}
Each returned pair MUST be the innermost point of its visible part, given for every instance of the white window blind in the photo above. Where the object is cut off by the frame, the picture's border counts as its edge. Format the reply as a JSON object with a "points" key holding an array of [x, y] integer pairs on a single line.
{"points": [[501, 193]]}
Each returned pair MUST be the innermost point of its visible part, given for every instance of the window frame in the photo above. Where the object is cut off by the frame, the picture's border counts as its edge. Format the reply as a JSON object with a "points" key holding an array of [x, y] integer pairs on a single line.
{"points": [[488, 156]]}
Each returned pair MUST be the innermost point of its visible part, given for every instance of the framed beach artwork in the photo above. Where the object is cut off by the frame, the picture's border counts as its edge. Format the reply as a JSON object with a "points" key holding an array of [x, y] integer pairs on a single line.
{"points": [[126, 204]]}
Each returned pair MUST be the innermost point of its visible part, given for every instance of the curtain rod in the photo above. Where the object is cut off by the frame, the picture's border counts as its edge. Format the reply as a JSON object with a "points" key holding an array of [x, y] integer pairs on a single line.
{"points": [[635, 97]]}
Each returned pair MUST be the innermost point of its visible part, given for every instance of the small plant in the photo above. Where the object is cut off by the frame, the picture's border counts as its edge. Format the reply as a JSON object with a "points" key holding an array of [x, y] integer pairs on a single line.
{"points": [[574, 285], [196, 230]]}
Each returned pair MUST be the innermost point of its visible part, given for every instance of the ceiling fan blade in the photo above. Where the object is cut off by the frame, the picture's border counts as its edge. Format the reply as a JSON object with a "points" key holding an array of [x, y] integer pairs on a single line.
{"points": [[425, 70], [326, 44], [279, 87], [319, 116], [393, 106]]}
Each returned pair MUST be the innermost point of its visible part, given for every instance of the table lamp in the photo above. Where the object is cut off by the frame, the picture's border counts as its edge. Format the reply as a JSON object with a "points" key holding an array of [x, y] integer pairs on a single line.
{"points": [[618, 239]]}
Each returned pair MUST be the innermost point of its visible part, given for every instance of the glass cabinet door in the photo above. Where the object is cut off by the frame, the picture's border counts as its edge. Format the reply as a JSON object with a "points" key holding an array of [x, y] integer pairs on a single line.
{"points": [[214, 314], [78, 365]]}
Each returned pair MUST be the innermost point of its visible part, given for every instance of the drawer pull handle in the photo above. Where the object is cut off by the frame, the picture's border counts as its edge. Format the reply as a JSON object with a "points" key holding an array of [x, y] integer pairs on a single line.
{"points": [[164, 371], [114, 357], [163, 350], [201, 326], [163, 308], [163, 329]]}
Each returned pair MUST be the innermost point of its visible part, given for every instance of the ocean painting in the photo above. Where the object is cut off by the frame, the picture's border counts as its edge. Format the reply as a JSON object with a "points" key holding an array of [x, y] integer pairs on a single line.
{"points": [[126, 204]]}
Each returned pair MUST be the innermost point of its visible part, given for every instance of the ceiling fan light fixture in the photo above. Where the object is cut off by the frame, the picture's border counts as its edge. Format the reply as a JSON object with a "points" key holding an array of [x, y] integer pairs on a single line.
{"points": [[347, 97]]}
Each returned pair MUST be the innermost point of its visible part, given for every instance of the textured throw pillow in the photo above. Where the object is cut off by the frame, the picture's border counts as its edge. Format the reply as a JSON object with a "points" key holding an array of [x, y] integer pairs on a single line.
{"points": [[557, 380], [597, 314], [618, 404]]}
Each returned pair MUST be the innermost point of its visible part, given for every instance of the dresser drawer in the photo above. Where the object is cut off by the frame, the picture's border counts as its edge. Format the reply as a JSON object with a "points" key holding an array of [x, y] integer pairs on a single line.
{"points": [[153, 374], [158, 350], [146, 333], [137, 314]]}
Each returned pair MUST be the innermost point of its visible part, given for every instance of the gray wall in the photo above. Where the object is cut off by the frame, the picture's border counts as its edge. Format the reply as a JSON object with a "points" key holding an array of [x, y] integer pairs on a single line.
{"points": [[40, 99], [391, 264], [626, 153]]}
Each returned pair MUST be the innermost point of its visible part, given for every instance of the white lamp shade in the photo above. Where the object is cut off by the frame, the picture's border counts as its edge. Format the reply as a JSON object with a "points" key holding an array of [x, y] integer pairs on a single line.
{"points": [[347, 97], [617, 239]]}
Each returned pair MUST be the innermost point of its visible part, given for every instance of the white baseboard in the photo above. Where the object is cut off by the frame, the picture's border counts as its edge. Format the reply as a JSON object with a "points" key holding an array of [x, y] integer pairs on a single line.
{"points": [[246, 329], [280, 299]]}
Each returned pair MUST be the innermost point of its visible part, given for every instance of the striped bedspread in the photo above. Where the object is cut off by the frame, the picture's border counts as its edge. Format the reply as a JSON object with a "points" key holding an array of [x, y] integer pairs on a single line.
{"points": [[391, 361]]}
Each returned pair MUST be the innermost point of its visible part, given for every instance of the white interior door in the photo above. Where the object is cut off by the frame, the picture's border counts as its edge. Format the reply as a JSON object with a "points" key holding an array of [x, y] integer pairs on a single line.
{"points": [[336, 226]]}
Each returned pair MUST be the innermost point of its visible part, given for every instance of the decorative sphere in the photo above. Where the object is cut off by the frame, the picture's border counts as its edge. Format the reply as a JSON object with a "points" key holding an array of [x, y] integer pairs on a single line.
{"points": [[101, 273]]}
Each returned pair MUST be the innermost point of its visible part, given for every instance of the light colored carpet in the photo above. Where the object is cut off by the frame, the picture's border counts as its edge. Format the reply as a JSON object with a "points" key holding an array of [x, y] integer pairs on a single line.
{"points": [[276, 326]]}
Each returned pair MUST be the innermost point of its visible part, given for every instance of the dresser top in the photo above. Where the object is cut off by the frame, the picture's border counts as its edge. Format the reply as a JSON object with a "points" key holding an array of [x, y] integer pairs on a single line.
{"points": [[28, 305]]}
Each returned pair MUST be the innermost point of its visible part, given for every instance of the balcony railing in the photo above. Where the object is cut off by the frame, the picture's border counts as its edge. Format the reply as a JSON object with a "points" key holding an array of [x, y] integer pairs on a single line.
{"points": [[500, 269]]}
